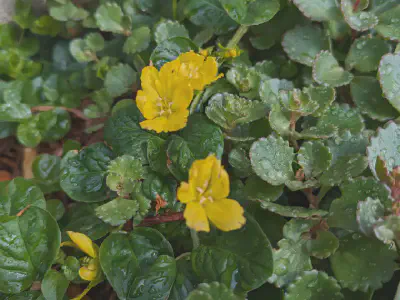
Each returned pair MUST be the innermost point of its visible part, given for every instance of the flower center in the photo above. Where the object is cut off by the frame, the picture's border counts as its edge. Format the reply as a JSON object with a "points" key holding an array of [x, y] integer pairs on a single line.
{"points": [[165, 106]]}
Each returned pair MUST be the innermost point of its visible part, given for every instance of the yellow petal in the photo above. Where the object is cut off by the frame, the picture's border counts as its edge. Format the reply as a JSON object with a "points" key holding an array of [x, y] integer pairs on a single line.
{"points": [[186, 193], [219, 185], [148, 78], [200, 173], [225, 214], [177, 120], [156, 124], [147, 101], [83, 242], [87, 274], [196, 218], [181, 96]]}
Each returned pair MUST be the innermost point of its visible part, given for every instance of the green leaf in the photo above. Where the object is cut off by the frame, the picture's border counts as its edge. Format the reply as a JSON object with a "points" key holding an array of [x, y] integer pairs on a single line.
{"points": [[361, 263], [30, 254], [246, 80], [56, 208], [117, 211], [210, 14], [388, 25], [68, 12], [155, 186], [385, 144], [289, 262], [239, 160], [213, 291], [272, 159], [138, 41], [257, 189], [119, 80], [303, 43], [251, 13], [185, 280], [314, 158], [109, 17], [298, 101], [46, 171], [46, 25], [316, 10], [83, 174], [314, 285], [365, 54], [180, 157], [368, 214], [228, 110], [27, 295], [14, 112], [367, 95], [18, 194], [126, 258], [388, 229], [323, 245], [170, 49], [358, 19], [241, 259], [326, 70], [343, 210], [124, 134], [54, 285], [293, 211], [167, 29], [81, 218], [389, 70], [157, 155]]}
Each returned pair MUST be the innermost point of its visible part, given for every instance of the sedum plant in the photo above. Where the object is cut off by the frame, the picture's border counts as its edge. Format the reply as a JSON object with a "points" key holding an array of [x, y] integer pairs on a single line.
{"points": [[201, 149]]}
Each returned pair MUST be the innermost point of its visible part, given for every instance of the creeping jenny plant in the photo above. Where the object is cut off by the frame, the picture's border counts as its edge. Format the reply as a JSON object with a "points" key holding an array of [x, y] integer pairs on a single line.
{"points": [[200, 149]]}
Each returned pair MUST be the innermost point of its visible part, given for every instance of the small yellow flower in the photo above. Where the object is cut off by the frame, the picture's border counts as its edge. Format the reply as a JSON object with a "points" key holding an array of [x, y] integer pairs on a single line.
{"points": [[199, 70], [90, 266], [229, 52], [205, 196], [164, 98]]}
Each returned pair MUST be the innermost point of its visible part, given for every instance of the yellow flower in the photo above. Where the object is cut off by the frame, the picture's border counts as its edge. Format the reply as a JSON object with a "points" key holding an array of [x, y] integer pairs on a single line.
{"points": [[229, 52], [164, 98], [90, 266], [199, 70], [205, 196]]}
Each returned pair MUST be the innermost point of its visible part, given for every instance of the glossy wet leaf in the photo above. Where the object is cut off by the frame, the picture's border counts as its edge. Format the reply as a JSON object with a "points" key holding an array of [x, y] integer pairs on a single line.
{"points": [[293, 211], [239, 160], [365, 54], [327, 71], [54, 285], [358, 19], [56, 208], [361, 263], [303, 43], [314, 158], [213, 291], [389, 78], [185, 280], [251, 13], [168, 29], [323, 245], [314, 285], [325, 10], [272, 159], [368, 214], [367, 94], [388, 25], [117, 211], [83, 173], [30, 254], [46, 170], [246, 79], [230, 253]]}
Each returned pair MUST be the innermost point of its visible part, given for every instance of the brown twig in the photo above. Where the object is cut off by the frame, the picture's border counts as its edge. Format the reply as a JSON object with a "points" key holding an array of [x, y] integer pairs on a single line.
{"points": [[74, 111], [29, 157], [173, 217], [312, 199], [21, 212]]}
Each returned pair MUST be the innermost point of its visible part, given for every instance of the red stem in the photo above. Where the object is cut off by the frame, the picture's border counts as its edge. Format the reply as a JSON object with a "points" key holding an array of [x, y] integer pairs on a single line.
{"points": [[76, 112], [173, 217], [356, 5]]}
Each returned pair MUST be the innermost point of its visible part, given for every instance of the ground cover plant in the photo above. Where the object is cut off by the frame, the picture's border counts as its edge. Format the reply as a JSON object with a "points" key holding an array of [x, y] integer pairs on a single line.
{"points": [[200, 149]]}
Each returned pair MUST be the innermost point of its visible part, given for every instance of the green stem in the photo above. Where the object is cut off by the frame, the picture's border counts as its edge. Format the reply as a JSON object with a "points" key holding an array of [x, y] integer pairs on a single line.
{"points": [[174, 9], [195, 102], [237, 36], [195, 238]]}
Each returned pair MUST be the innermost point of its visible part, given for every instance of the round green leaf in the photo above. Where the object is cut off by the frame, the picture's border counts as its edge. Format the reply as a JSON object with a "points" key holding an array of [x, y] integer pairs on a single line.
{"points": [[54, 285], [119, 80], [83, 174], [385, 144], [314, 285], [169, 29], [368, 214], [388, 25], [303, 43], [56, 208], [18, 194], [365, 54], [117, 211], [186, 280], [157, 155], [138, 41], [358, 20], [213, 291], [109, 17], [46, 171], [326, 70], [30, 254], [257, 189], [389, 77], [361, 263], [210, 14], [293, 211], [314, 158], [180, 157], [343, 210], [229, 257], [239, 160], [170, 49], [272, 159], [367, 94], [323, 245], [252, 12], [319, 10]]}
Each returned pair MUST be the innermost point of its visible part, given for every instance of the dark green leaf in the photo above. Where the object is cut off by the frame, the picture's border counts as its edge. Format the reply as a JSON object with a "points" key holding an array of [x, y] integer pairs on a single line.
{"points": [[389, 78], [213, 291], [316, 10], [257, 189], [119, 80], [388, 25], [138, 41], [368, 214], [46, 171], [314, 158], [169, 29], [54, 285], [292, 211], [358, 19]]}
